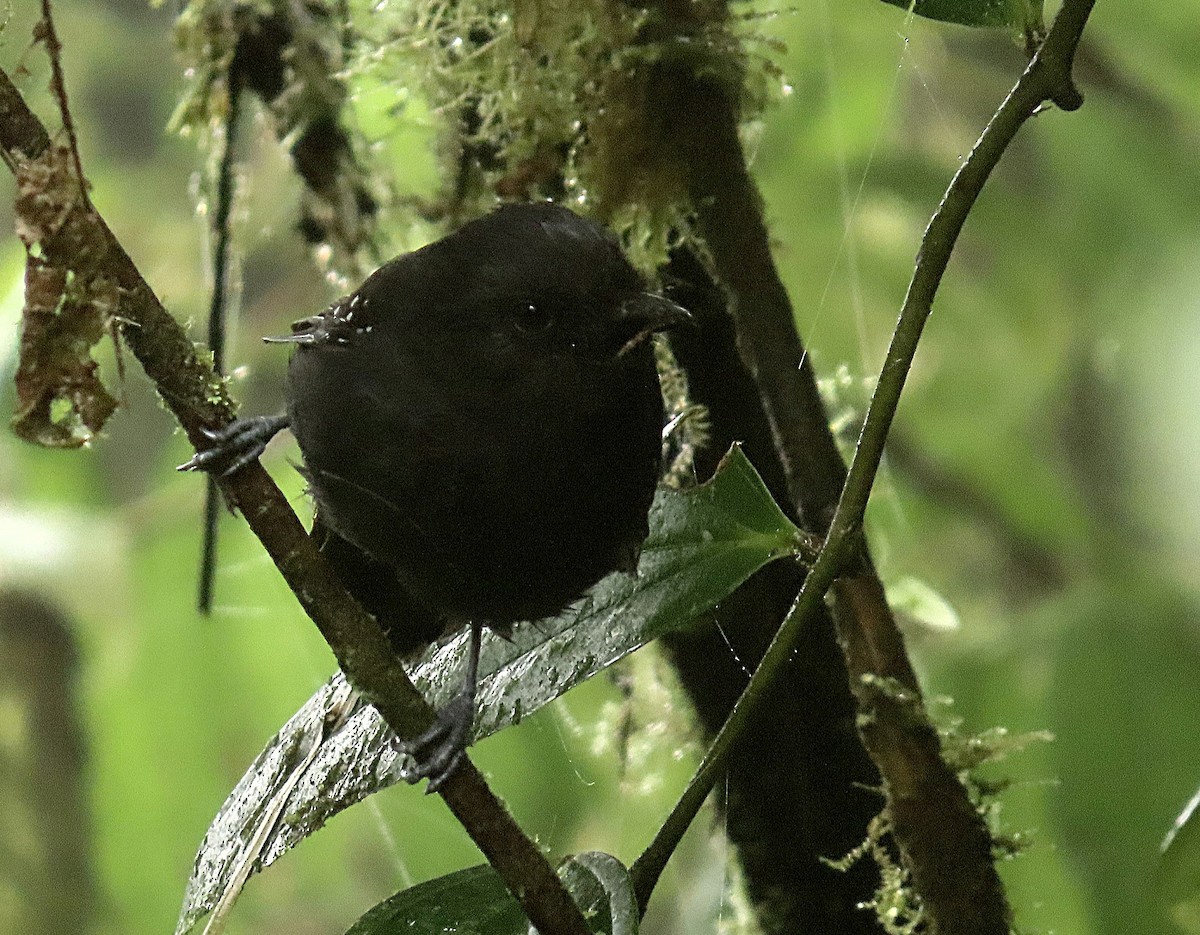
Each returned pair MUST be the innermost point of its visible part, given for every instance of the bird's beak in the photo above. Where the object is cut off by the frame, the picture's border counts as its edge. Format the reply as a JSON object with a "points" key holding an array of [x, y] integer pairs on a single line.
{"points": [[303, 332], [645, 314], [302, 338]]}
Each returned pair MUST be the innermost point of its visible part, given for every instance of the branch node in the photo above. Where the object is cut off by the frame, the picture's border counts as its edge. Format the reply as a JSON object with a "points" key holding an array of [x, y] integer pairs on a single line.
{"points": [[1066, 96]]}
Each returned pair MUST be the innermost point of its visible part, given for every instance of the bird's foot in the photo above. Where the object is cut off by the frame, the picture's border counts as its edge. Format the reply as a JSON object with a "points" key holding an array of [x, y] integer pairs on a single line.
{"points": [[235, 445], [438, 752]]}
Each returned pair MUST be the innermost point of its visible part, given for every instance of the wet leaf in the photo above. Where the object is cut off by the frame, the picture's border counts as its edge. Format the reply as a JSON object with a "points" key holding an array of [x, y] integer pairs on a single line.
{"points": [[469, 902], [475, 902], [600, 886], [703, 544]]}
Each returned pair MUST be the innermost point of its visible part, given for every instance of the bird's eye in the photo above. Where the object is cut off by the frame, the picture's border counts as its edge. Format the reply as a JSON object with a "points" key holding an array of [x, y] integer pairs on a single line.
{"points": [[533, 317]]}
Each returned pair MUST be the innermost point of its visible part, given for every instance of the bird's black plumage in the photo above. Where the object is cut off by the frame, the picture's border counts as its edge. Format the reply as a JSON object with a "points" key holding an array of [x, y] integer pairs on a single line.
{"points": [[482, 419]]}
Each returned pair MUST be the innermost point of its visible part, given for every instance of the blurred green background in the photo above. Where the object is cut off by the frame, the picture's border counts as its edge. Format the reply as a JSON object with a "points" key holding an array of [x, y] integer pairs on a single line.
{"points": [[1037, 517]]}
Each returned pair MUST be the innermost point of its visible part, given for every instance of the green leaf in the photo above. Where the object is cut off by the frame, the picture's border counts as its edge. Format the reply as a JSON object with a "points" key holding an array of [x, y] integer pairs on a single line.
{"points": [[475, 902], [1016, 13], [704, 542], [600, 886], [469, 902], [918, 601]]}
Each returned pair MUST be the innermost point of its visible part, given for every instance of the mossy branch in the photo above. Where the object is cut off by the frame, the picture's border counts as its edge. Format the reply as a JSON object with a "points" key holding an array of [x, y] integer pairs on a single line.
{"points": [[198, 399]]}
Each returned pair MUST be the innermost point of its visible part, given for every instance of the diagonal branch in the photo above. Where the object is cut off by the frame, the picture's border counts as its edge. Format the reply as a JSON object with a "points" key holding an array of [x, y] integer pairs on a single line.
{"points": [[198, 399]]}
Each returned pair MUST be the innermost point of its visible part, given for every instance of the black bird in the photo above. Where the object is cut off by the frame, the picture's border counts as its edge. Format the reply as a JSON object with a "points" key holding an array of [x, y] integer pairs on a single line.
{"points": [[480, 426]]}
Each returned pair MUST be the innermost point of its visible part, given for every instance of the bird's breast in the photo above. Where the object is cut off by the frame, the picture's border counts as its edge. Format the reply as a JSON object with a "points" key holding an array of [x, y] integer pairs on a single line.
{"points": [[496, 491]]}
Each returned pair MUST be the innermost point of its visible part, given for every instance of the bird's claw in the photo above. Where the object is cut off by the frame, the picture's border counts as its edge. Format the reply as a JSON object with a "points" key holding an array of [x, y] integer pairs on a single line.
{"points": [[235, 445], [438, 752]]}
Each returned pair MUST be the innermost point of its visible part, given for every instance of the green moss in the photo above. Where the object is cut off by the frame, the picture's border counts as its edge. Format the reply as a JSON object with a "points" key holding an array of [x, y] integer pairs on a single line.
{"points": [[895, 903], [549, 100], [533, 98]]}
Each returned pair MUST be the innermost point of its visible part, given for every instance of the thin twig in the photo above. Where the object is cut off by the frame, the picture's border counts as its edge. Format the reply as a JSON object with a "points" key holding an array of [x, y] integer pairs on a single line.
{"points": [[218, 309], [647, 869], [958, 886], [1048, 78], [58, 85]]}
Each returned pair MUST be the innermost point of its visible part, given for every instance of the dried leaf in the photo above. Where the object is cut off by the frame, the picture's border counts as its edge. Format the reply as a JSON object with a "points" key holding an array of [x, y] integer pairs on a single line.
{"points": [[61, 402]]}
